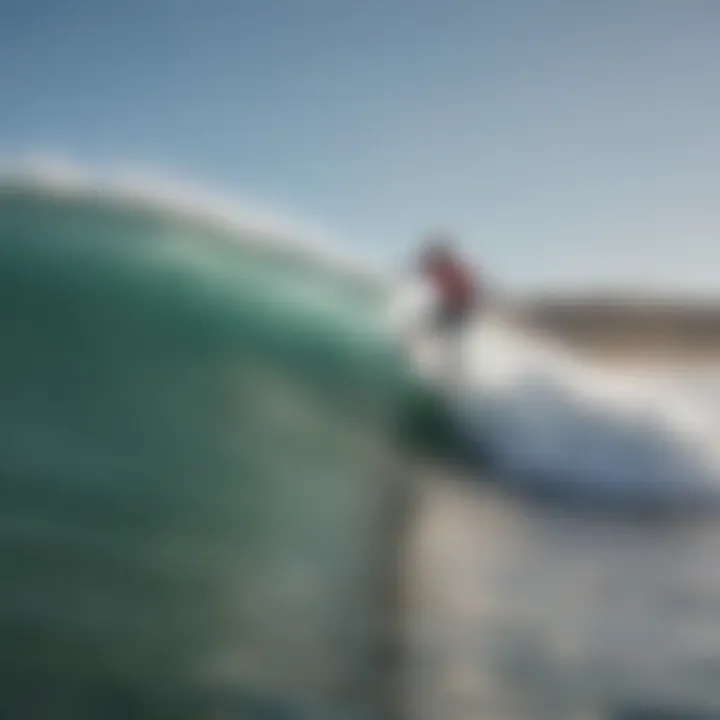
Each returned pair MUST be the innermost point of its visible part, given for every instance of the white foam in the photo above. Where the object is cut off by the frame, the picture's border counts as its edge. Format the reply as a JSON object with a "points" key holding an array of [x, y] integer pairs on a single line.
{"points": [[547, 417]]}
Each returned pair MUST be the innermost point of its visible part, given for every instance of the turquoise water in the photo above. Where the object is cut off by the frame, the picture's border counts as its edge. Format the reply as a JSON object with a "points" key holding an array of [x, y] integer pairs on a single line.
{"points": [[199, 469]]}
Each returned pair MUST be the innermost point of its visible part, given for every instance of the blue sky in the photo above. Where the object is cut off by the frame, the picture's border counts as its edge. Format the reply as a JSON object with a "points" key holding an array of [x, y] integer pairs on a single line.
{"points": [[566, 141]]}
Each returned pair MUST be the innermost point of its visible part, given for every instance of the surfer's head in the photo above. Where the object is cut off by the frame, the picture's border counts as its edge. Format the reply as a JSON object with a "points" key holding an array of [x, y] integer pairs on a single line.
{"points": [[438, 249]]}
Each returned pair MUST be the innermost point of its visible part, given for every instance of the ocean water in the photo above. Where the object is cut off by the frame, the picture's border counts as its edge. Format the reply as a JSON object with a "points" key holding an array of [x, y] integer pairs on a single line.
{"points": [[569, 568], [578, 577], [199, 474], [204, 473]]}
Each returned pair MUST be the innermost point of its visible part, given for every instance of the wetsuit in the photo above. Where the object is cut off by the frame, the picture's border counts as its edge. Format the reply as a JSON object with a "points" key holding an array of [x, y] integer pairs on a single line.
{"points": [[457, 289]]}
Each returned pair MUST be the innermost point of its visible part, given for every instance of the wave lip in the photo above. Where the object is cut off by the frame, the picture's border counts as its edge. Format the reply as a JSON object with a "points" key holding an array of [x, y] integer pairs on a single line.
{"points": [[140, 190]]}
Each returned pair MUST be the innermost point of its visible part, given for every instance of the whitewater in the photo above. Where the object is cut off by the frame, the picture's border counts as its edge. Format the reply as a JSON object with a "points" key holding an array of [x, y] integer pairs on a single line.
{"points": [[555, 424]]}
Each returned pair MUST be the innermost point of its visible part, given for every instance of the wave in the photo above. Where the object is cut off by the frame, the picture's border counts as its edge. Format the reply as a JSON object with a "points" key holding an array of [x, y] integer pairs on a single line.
{"points": [[198, 418], [549, 422], [196, 437]]}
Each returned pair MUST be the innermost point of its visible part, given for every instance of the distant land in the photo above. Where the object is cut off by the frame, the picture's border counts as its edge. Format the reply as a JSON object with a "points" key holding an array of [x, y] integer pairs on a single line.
{"points": [[621, 328]]}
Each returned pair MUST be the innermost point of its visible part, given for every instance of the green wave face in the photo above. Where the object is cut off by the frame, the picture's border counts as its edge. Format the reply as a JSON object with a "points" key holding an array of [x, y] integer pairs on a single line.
{"points": [[197, 459]]}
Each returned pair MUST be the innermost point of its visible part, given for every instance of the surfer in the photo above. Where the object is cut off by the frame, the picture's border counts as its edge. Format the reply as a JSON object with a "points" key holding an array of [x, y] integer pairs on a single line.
{"points": [[454, 282], [457, 291]]}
